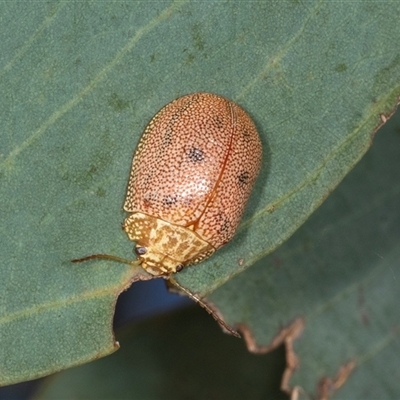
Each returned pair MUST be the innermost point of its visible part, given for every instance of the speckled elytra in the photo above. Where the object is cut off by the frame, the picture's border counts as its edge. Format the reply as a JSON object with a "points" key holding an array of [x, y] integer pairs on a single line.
{"points": [[191, 176]]}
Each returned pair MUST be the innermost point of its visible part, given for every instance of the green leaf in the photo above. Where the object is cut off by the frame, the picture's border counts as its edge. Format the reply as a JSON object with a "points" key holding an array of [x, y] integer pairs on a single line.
{"points": [[79, 82], [340, 273], [167, 359]]}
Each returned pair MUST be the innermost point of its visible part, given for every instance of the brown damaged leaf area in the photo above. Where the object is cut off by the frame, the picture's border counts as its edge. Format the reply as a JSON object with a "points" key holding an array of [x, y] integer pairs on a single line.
{"points": [[326, 386], [286, 336]]}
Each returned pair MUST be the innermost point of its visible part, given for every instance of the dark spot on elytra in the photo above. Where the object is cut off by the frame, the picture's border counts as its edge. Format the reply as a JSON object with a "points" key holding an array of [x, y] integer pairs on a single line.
{"points": [[167, 137], [244, 178], [169, 200], [196, 155], [225, 226], [174, 118], [224, 223], [246, 134], [149, 199], [218, 122]]}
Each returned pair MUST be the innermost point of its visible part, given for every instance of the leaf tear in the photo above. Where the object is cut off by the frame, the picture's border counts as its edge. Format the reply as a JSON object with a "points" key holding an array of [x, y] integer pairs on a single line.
{"points": [[327, 386], [287, 336]]}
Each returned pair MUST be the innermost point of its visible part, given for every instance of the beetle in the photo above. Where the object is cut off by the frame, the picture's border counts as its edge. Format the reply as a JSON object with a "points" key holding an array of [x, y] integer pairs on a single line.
{"points": [[191, 176]]}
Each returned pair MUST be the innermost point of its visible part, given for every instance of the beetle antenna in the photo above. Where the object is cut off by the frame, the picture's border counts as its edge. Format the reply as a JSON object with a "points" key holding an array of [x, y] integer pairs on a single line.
{"points": [[133, 263], [199, 301]]}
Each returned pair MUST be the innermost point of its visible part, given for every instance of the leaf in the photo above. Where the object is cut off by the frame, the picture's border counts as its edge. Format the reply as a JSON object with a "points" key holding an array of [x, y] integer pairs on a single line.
{"points": [[154, 364], [79, 82], [340, 273]]}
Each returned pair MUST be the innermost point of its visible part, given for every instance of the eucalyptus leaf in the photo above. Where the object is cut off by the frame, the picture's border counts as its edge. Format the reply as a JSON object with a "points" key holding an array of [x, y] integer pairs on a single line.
{"points": [[79, 82]]}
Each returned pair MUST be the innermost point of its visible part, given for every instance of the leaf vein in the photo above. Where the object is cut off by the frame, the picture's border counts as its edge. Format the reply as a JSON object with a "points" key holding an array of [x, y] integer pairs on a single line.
{"points": [[168, 12]]}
